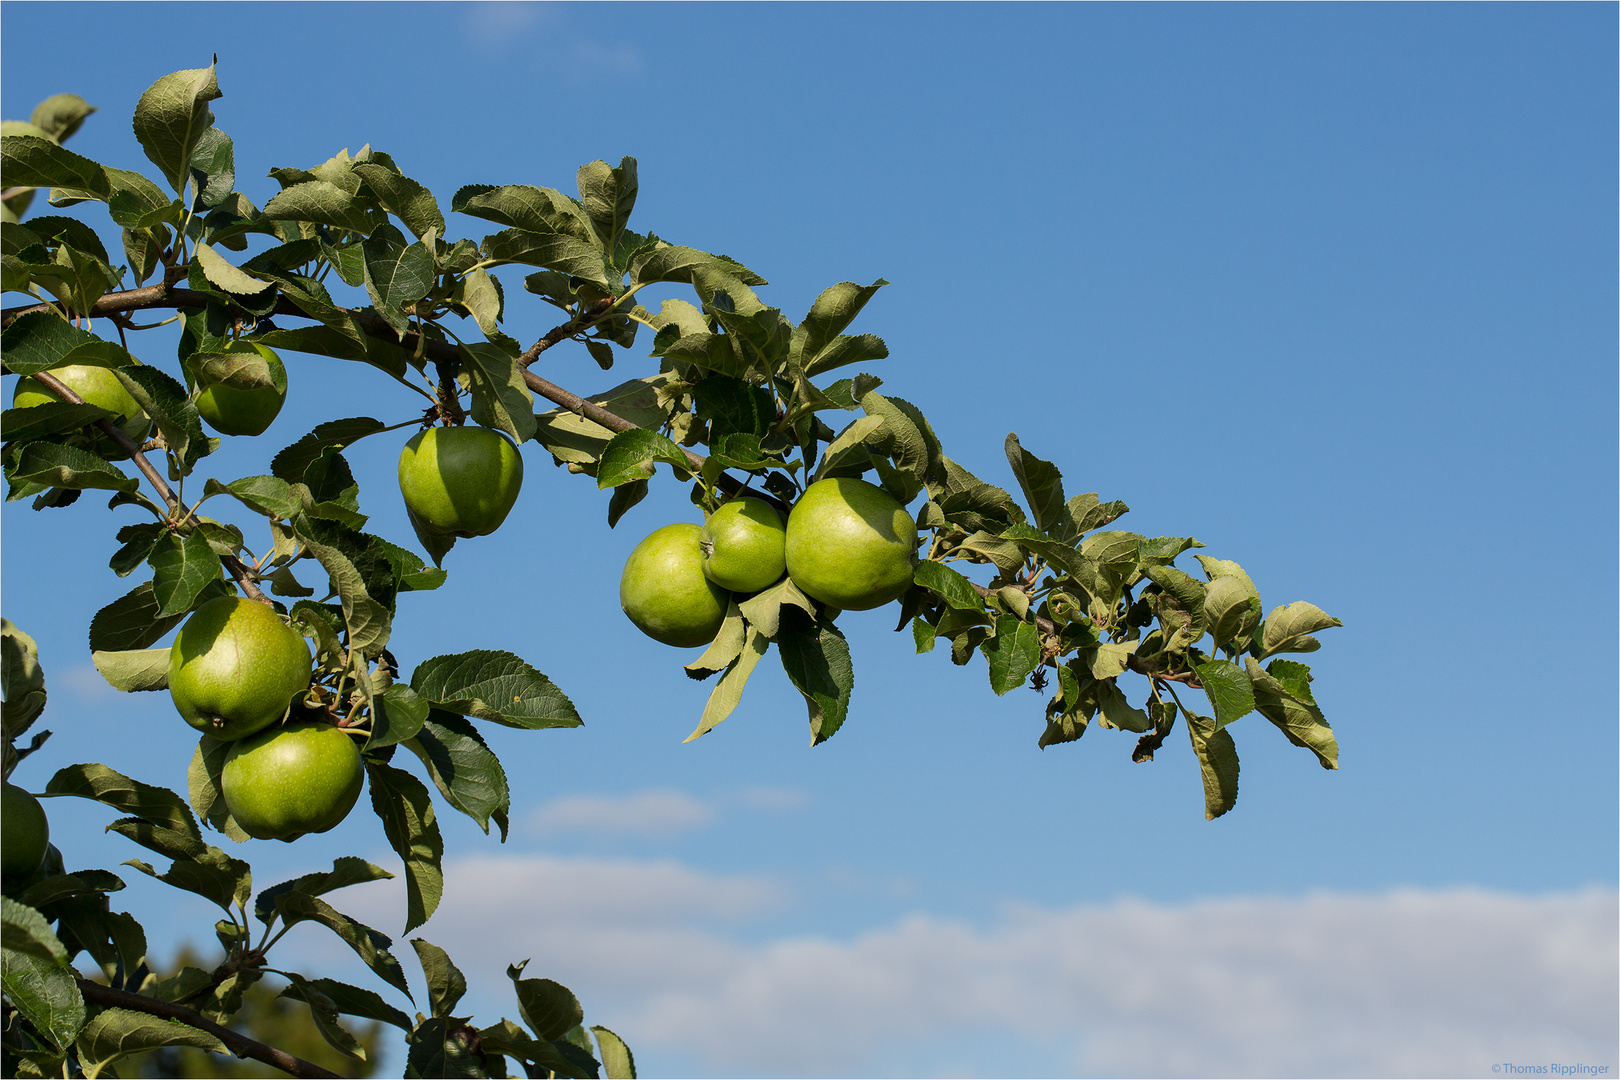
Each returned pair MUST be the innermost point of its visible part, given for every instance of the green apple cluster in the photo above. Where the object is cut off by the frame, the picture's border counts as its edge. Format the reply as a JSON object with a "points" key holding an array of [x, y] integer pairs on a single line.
{"points": [[235, 670], [846, 543]]}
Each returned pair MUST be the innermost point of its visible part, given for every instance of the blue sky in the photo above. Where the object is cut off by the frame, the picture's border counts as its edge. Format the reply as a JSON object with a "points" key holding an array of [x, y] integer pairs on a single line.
{"points": [[1331, 288]]}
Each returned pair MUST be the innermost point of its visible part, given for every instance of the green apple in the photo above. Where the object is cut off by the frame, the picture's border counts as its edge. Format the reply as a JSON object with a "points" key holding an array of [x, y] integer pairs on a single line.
{"points": [[240, 389], [98, 386], [292, 779], [743, 545], [850, 544], [665, 593], [460, 480], [25, 834], [235, 666]]}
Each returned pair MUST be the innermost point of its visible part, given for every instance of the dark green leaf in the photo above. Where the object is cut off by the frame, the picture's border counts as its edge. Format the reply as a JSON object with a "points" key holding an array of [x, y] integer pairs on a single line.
{"points": [[564, 254], [439, 1050], [500, 398], [21, 679], [630, 456], [104, 785], [400, 715], [1013, 653], [132, 621], [46, 993], [406, 811], [320, 202], [948, 585], [446, 985], [60, 115], [493, 685], [354, 1001], [816, 659], [346, 870], [182, 567], [463, 768], [292, 462], [323, 1012], [48, 418], [1042, 485], [548, 1007], [1229, 690], [608, 195], [203, 787], [55, 465], [368, 944], [403, 197]]}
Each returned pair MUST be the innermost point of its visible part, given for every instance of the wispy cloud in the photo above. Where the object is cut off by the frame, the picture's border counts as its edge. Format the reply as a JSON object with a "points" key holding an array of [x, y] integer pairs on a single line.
{"points": [[1405, 983], [658, 812], [497, 23], [649, 813]]}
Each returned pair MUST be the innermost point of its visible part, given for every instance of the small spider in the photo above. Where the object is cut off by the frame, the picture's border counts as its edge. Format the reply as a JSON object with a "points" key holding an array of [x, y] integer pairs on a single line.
{"points": [[1037, 680]]}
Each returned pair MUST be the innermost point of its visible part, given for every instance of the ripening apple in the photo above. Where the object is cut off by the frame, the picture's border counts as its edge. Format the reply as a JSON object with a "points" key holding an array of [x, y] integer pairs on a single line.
{"points": [[292, 779], [235, 666], [462, 481], [850, 544]]}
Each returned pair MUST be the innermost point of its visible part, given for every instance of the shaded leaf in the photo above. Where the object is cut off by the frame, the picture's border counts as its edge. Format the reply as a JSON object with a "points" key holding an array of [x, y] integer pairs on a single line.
{"points": [[406, 811], [493, 685]]}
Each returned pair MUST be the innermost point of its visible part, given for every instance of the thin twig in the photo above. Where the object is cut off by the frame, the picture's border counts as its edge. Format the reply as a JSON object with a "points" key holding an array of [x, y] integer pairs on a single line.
{"points": [[238, 571], [239, 1044]]}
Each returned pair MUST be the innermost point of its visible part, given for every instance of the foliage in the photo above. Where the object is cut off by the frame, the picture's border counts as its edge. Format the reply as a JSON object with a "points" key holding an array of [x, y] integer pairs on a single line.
{"points": [[353, 261]]}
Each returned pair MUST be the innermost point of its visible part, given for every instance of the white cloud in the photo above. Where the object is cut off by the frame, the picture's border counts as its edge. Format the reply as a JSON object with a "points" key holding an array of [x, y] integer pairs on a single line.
{"points": [[653, 813], [1405, 983]]}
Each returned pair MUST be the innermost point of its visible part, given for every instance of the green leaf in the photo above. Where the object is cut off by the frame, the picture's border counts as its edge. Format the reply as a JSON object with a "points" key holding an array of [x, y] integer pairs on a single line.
{"points": [[203, 787], [170, 119], [1218, 761], [226, 276], [617, 1060], [55, 465], [406, 811], [320, 202], [915, 448], [353, 1001], [564, 254], [1042, 485], [1013, 653], [28, 161], [764, 609], [134, 670], [115, 1033], [40, 340], [816, 659], [608, 195], [1289, 628], [21, 679], [851, 450], [549, 1008], [182, 567], [493, 685], [463, 768], [1186, 590], [294, 461], [531, 209], [396, 276], [630, 456], [1117, 712], [500, 398], [346, 870], [1282, 695], [1088, 513], [728, 691], [439, 1050], [573, 439], [828, 317], [323, 1012], [368, 620], [269, 495], [446, 985], [165, 400], [104, 785], [733, 406], [60, 115], [1231, 609], [132, 621], [400, 716], [213, 169], [371, 946], [48, 418], [45, 992], [726, 647], [216, 877], [27, 932], [403, 197], [670, 262], [1229, 689]]}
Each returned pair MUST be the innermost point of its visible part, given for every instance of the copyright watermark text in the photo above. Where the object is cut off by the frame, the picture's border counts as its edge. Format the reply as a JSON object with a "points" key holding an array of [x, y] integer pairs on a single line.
{"points": [[1553, 1068]]}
